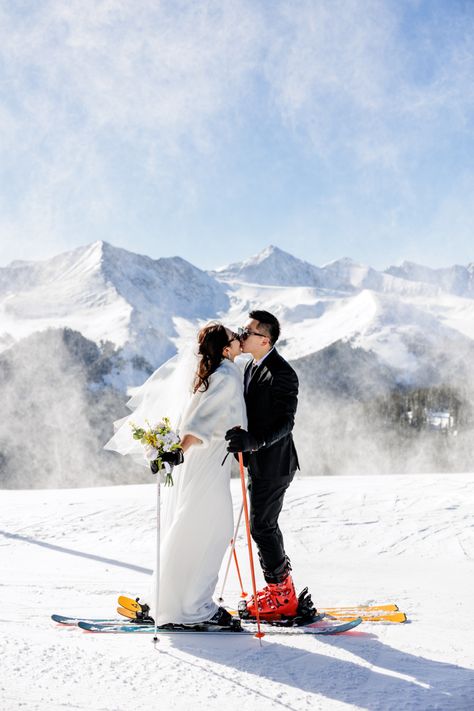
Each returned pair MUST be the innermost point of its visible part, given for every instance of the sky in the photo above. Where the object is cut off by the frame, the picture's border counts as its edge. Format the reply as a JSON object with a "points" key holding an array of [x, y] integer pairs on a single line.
{"points": [[210, 129]]}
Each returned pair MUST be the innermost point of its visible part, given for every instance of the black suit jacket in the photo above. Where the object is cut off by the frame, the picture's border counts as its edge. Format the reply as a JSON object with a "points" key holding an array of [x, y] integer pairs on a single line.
{"points": [[272, 399]]}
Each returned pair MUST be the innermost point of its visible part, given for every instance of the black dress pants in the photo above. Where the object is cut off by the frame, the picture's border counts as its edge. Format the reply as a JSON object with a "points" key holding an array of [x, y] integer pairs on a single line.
{"points": [[266, 501]]}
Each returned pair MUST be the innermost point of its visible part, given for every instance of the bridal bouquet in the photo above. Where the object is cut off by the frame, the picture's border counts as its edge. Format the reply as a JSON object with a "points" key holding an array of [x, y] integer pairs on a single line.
{"points": [[157, 440]]}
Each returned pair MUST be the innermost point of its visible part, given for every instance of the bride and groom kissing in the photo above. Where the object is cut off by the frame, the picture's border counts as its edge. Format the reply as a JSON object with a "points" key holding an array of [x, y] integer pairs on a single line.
{"points": [[226, 412]]}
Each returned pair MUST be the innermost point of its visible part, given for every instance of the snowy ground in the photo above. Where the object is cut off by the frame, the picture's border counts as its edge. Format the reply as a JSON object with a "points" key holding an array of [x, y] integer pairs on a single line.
{"points": [[351, 539]]}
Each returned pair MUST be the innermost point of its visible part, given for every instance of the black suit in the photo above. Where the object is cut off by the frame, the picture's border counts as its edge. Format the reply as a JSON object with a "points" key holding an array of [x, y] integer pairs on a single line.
{"points": [[271, 397]]}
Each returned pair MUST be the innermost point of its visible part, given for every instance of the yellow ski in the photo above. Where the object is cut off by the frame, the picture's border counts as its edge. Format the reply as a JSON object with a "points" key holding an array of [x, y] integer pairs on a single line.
{"points": [[343, 608], [126, 613], [128, 607], [129, 604], [367, 616]]}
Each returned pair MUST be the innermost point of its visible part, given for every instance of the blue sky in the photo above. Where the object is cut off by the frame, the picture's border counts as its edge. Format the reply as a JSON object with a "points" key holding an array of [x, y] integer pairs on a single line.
{"points": [[329, 128]]}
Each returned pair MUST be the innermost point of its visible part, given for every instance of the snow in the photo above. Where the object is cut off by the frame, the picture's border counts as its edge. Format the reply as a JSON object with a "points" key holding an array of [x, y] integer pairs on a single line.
{"points": [[107, 293], [273, 266], [457, 279], [351, 539], [388, 324]]}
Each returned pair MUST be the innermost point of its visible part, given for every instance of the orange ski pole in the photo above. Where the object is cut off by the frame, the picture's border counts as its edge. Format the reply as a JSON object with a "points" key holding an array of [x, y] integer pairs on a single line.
{"points": [[259, 634]]}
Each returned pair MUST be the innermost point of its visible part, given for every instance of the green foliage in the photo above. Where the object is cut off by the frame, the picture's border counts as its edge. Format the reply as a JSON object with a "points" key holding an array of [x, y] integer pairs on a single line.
{"points": [[159, 439]]}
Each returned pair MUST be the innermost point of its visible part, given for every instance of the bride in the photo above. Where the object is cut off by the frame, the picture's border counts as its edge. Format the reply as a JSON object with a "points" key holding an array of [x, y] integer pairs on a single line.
{"points": [[197, 518]]}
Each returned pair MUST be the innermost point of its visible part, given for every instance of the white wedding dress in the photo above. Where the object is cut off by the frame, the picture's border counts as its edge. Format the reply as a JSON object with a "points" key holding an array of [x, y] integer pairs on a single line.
{"points": [[196, 513], [197, 517]]}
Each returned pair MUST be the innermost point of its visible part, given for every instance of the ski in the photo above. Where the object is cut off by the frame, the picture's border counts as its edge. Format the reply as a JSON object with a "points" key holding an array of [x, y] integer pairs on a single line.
{"points": [[323, 626], [129, 603], [368, 613], [349, 608], [368, 616], [69, 620], [127, 613]]}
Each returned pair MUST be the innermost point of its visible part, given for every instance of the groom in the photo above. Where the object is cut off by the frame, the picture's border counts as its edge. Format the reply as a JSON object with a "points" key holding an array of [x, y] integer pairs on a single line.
{"points": [[271, 396]]}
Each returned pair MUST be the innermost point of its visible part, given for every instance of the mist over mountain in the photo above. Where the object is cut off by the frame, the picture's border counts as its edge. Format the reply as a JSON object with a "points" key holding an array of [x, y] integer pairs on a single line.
{"points": [[458, 280], [57, 412], [352, 412], [77, 330]]}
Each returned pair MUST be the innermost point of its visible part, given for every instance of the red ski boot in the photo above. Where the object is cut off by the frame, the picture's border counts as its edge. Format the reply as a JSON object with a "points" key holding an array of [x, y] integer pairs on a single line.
{"points": [[275, 602]]}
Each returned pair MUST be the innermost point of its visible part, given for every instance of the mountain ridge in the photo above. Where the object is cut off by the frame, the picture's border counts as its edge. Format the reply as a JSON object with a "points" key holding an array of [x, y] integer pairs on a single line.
{"points": [[274, 266], [146, 306], [78, 330]]}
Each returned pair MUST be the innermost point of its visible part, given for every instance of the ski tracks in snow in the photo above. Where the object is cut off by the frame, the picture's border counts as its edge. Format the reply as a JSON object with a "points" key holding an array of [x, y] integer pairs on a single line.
{"points": [[351, 539]]}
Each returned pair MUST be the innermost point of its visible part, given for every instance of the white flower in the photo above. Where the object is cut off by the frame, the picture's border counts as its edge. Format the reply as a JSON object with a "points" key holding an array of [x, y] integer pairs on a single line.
{"points": [[151, 453], [168, 440]]}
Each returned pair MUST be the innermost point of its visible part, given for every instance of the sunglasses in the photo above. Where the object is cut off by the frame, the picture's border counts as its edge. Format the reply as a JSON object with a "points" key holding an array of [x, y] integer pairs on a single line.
{"points": [[244, 333], [234, 337]]}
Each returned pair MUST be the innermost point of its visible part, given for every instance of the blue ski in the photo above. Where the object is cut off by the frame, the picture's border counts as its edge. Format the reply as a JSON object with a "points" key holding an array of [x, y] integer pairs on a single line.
{"points": [[321, 626], [74, 621]]}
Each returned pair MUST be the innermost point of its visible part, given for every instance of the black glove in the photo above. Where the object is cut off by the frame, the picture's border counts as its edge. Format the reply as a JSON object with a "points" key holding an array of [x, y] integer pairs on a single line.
{"points": [[175, 458], [240, 440]]}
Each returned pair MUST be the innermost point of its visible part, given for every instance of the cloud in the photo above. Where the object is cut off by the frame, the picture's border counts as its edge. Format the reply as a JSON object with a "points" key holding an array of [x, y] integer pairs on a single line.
{"points": [[104, 96], [165, 74], [92, 87], [374, 82], [159, 68]]}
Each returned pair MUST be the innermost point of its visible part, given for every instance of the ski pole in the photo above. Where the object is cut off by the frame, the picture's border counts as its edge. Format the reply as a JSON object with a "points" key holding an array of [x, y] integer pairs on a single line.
{"points": [[259, 634], [157, 563], [158, 544], [243, 593], [232, 552]]}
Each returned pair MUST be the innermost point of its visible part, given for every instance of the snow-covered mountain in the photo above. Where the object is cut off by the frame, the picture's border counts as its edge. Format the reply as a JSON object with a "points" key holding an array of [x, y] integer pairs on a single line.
{"points": [[107, 293], [143, 306], [275, 267], [352, 275], [458, 280], [105, 318]]}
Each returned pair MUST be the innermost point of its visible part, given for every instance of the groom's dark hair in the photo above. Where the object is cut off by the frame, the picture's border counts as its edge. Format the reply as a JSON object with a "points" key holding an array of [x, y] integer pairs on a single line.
{"points": [[268, 323]]}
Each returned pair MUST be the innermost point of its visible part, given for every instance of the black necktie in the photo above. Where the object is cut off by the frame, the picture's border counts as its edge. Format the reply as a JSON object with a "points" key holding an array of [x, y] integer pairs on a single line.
{"points": [[251, 373]]}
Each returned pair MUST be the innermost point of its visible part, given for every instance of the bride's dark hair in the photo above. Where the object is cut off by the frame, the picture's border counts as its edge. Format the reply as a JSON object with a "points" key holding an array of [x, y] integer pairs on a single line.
{"points": [[212, 340]]}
